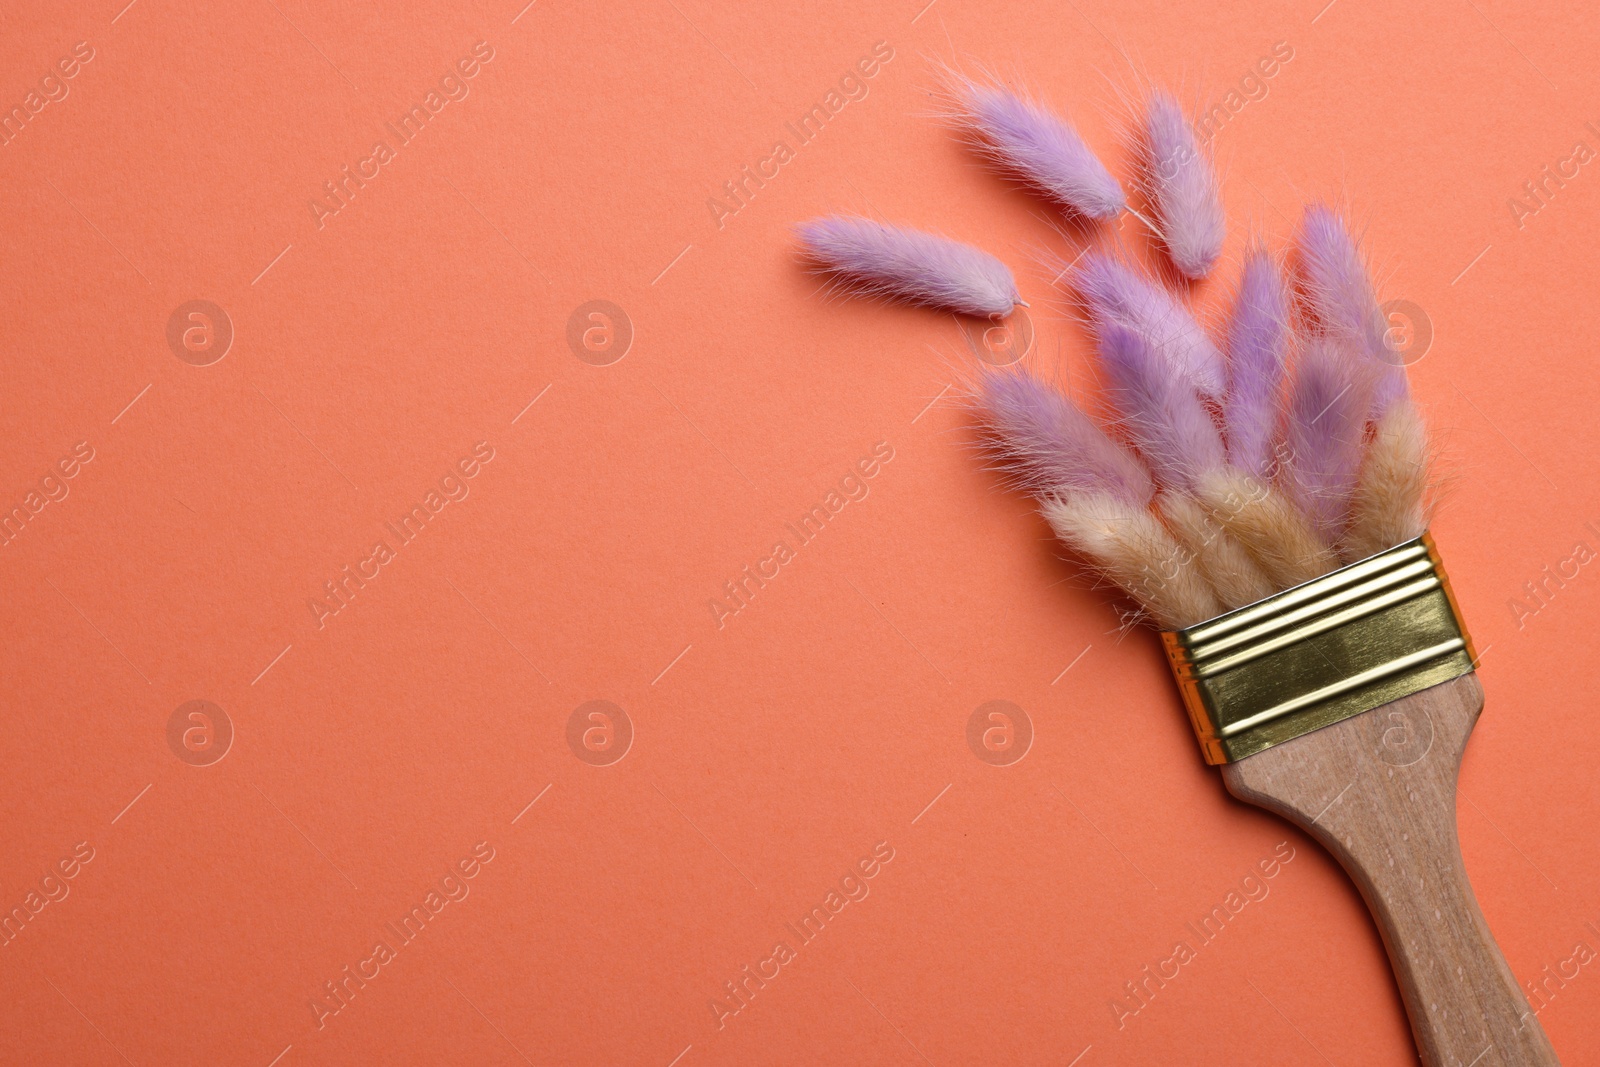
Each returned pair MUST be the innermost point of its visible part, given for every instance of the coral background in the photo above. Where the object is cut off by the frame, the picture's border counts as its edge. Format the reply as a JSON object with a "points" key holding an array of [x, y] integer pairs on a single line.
{"points": [[374, 748]]}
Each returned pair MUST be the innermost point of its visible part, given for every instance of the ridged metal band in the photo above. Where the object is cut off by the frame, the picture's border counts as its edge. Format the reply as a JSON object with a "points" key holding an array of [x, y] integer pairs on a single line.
{"points": [[1356, 638]]}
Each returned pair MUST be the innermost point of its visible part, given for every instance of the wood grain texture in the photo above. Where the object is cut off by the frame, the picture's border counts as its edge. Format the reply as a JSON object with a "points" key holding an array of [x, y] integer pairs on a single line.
{"points": [[1379, 792]]}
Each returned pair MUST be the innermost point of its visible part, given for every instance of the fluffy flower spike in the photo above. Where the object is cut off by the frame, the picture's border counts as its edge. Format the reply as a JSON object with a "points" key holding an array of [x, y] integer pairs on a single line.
{"points": [[1165, 418], [1028, 140], [1390, 504], [910, 265], [1343, 302], [1231, 485], [1257, 341], [1183, 188], [1051, 446], [1136, 551], [1115, 293], [1328, 406]]}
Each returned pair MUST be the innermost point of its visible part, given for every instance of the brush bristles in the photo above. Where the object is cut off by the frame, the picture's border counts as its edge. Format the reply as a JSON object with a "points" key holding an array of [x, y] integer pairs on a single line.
{"points": [[1269, 526], [1221, 558], [1304, 483], [1050, 446], [1389, 498], [1162, 414], [1218, 481], [1131, 547], [1343, 303], [1328, 405], [1257, 349], [1115, 293]]}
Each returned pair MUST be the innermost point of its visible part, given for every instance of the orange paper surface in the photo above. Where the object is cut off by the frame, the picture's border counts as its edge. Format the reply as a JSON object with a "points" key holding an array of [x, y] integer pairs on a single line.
{"points": [[391, 395]]}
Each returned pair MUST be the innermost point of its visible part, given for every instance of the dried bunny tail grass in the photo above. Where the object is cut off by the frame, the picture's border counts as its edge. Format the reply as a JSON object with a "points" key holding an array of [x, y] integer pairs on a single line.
{"points": [[1230, 569], [1343, 302], [1114, 292], [1048, 445], [1389, 506], [1338, 287], [1160, 411], [1133, 549], [910, 265], [1182, 187], [1022, 137], [1258, 337], [1268, 525], [1328, 404]]}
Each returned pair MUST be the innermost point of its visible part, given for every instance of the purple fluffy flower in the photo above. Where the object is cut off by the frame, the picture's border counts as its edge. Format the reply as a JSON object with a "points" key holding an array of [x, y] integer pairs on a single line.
{"points": [[911, 265], [1038, 146], [1326, 434], [1343, 302], [1051, 446], [1117, 294], [1162, 414], [1257, 338], [1183, 188]]}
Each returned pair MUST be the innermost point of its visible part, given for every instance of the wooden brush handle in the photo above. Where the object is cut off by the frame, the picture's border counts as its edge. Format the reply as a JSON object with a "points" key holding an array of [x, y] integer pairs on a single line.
{"points": [[1379, 791]]}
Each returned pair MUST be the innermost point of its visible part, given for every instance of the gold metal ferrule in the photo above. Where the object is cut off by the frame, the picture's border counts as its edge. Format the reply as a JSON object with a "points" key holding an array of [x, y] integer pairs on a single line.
{"points": [[1356, 638]]}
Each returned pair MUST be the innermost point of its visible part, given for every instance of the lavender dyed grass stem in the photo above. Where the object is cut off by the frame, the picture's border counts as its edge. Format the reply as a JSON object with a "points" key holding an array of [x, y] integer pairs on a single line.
{"points": [[1026, 139], [905, 264], [1183, 188]]}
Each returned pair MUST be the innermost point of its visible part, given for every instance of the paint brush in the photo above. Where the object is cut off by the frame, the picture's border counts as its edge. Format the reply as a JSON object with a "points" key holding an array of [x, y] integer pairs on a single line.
{"points": [[1266, 510], [1333, 679]]}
